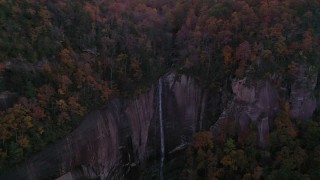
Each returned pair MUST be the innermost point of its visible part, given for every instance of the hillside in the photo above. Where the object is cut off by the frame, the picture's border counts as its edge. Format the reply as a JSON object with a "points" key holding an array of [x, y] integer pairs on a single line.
{"points": [[256, 64]]}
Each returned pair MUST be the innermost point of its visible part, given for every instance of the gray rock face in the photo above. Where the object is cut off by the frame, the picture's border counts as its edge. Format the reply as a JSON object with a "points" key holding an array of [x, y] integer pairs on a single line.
{"points": [[110, 142], [252, 102], [139, 114], [185, 104], [302, 99], [243, 92], [258, 101], [93, 145], [7, 99]]}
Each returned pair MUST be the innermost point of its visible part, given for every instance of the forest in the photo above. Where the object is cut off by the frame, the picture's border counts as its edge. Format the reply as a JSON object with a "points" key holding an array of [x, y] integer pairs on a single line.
{"points": [[62, 59]]}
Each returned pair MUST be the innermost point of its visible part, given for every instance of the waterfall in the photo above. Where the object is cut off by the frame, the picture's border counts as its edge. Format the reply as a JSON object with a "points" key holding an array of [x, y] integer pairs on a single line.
{"points": [[161, 130]]}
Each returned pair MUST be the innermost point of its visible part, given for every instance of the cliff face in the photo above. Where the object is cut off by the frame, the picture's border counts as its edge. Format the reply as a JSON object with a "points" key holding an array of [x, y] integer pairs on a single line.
{"points": [[258, 101], [111, 142], [252, 102], [302, 98]]}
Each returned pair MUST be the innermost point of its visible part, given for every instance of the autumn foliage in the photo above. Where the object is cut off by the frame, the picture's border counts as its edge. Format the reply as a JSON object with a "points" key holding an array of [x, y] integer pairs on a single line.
{"points": [[291, 154], [65, 58]]}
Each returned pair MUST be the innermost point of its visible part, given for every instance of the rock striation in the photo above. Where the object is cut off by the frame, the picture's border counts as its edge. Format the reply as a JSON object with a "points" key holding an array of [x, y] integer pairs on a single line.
{"points": [[111, 142], [258, 101], [302, 98], [253, 101]]}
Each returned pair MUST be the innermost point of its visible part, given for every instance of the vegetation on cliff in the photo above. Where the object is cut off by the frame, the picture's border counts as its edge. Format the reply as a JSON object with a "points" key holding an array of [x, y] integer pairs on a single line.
{"points": [[65, 58], [292, 153]]}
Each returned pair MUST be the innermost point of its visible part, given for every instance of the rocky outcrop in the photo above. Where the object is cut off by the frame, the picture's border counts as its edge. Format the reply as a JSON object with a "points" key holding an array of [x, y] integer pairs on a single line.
{"points": [[92, 149], [186, 102], [258, 101], [111, 143], [114, 142], [253, 101], [302, 99]]}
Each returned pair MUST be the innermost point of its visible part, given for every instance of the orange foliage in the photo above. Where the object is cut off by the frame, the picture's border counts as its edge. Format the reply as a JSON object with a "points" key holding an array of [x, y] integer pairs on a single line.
{"points": [[2, 67], [92, 10], [45, 92], [46, 68], [293, 68], [243, 51], [137, 73], [66, 58], [37, 112], [62, 104], [307, 40], [65, 82], [203, 140], [105, 92], [24, 142], [227, 54], [75, 107]]}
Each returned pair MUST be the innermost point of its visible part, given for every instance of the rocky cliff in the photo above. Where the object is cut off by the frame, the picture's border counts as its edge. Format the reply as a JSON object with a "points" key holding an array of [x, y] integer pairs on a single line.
{"points": [[253, 101], [302, 95], [112, 142], [258, 101]]}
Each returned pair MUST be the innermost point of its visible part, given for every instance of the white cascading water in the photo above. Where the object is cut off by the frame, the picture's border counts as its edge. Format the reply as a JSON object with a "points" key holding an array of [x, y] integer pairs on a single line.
{"points": [[161, 130]]}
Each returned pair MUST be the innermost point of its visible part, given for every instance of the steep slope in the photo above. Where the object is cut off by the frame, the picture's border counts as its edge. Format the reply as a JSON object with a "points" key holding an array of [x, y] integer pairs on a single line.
{"points": [[111, 142], [258, 101]]}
